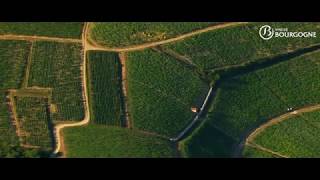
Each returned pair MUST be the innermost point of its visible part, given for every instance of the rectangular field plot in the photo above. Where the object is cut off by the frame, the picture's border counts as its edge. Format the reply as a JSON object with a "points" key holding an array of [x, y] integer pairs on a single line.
{"points": [[104, 79], [241, 44], [161, 92], [34, 122], [13, 58], [52, 29], [58, 66]]}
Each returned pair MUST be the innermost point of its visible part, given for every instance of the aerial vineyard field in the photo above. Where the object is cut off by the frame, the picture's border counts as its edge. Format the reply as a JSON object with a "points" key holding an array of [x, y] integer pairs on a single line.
{"points": [[52, 29], [294, 137], [122, 34], [13, 57], [240, 44], [161, 92], [58, 66], [147, 83], [101, 141], [104, 73], [299, 84], [34, 120], [244, 102]]}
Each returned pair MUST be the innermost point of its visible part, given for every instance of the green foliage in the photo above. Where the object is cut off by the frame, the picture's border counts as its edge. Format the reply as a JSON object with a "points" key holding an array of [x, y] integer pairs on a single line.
{"points": [[295, 137], [104, 73], [161, 92], [13, 57], [15, 151], [121, 34], [242, 103], [35, 122], [57, 66], [55, 29], [100, 141], [240, 44]]}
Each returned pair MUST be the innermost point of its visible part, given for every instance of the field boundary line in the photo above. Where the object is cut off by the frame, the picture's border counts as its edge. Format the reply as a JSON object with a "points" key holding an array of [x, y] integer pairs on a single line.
{"points": [[12, 93], [152, 133], [261, 148], [13, 115], [60, 147], [124, 85], [27, 70], [171, 53], [38, 38], [94, 46]]}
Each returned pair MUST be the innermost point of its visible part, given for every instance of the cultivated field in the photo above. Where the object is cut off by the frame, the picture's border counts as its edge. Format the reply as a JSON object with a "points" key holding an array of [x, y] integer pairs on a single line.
{"points": [[161, 92], [294, 137], [34, 121], [13, 55], [114, 34], [58, 66], [244, 102], [101, 141], [50, 29], [240, 44], [104, 79], [140, 89]]}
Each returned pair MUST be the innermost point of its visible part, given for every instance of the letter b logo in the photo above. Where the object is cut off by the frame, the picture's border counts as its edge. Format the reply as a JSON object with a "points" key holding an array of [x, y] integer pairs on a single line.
{"points": [[266, 32]]}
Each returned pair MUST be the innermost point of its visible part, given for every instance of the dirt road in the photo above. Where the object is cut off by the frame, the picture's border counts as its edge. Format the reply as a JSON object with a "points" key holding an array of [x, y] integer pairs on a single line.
{"points": [[58, 128], [94, 46], [39, 38]]}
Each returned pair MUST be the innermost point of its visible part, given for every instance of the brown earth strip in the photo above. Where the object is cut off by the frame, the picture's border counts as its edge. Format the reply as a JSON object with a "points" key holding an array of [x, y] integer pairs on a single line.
{"points": [[27, 71], [123, 59], [261, 148], [38, 38]]}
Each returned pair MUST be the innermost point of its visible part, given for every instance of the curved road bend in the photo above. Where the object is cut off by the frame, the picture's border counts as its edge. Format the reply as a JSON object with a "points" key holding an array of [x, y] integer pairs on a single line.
{"points": [[86, 119], [271, 122]]}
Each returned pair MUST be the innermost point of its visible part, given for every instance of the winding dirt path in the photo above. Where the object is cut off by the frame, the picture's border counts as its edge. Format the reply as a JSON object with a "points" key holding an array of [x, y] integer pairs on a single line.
{"points": [[277, 120], [39, 38], [59, 139], [94, 46]]}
